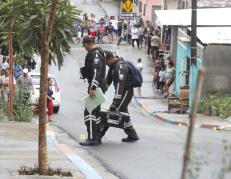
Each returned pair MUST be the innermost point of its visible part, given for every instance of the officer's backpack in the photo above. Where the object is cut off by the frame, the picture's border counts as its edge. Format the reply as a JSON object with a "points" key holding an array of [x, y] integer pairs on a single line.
{"points": [[137, 78]]}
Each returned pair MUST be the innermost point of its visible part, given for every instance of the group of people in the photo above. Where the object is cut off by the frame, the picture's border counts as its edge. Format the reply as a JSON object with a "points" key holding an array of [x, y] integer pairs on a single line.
{"points": [[22, 83], [163, 75], [98, 28], [95, 73]]}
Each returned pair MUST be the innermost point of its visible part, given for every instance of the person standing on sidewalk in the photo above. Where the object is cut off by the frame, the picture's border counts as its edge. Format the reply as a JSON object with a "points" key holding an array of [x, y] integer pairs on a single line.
{"points": [[25, 86], [121, 77], [140, 67], [141, 36], [4, 83], [50, 106], [155, 42], [135, 36], [94, 70]]}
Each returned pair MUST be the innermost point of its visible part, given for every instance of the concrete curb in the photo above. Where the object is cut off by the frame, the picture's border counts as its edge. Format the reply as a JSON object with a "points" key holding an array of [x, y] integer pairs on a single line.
{"points": [[88, 171], [178, 122]]}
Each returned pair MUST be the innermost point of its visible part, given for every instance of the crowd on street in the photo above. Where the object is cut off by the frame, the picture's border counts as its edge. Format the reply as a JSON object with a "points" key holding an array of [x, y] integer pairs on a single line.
{"points": [[22, 82], [137, 33]]}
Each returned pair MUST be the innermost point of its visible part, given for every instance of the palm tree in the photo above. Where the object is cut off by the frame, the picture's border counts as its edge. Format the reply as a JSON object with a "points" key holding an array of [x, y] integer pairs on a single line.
{"points": [[44, 27]]}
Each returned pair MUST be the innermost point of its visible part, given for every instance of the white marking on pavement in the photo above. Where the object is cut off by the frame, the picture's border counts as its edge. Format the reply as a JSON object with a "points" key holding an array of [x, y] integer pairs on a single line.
{"points": [[84, 167], [88, 171]]}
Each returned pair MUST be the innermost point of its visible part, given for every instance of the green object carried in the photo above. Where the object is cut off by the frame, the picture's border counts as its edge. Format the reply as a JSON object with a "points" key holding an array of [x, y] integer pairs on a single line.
{"points": [[92, 102]]}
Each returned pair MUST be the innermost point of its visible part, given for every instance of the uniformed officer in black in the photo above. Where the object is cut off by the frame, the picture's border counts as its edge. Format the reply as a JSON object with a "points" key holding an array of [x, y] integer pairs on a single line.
{"points": [[94, 70], [121, 77]]}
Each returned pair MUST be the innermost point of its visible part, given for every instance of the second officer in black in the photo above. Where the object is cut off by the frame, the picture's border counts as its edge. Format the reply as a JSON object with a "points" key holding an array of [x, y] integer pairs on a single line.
{"points": [[121, 77], [94, 70]]}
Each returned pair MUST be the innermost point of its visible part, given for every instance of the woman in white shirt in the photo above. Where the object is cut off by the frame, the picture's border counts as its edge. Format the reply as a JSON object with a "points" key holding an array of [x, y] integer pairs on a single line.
{"points": [[135, 36]]}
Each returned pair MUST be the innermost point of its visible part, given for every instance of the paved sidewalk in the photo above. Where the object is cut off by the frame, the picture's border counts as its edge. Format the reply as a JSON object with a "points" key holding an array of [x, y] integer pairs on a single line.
{"points": [[19, 147], [158, 109]]}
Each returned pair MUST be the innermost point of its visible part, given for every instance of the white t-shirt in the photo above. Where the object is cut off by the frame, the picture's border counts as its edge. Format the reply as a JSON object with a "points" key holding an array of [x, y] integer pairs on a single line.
{"points": [[4, 80], [161, 76], [114, 24], [135, 33], [140, 66], [155, 40], [4, 65]]}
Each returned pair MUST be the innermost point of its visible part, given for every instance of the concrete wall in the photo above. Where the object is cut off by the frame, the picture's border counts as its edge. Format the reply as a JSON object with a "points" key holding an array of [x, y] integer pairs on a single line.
{"points": [[217, 61], [148, 11], [172, 4]]}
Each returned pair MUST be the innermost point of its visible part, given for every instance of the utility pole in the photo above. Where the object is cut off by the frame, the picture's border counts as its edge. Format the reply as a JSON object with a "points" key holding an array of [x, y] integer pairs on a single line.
{"points": [[194, 33], [11, 88], [200, 79]]}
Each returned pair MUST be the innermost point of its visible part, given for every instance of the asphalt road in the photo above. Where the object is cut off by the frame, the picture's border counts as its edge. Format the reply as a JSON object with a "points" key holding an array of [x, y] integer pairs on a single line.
{"points": [[159, 153]]}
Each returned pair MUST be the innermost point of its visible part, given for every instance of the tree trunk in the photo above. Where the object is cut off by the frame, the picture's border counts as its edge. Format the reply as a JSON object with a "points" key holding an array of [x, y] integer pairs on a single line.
{"points": [[42, 155], [42, 158]]}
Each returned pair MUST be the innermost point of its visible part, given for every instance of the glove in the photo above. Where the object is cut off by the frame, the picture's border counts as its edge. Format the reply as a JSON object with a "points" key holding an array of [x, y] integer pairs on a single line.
{"points": [[83, 73]]}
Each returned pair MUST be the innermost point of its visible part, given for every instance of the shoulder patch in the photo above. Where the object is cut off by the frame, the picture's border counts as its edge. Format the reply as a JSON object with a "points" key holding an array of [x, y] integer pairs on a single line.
{"points": [[96, 61], [121, 77]]}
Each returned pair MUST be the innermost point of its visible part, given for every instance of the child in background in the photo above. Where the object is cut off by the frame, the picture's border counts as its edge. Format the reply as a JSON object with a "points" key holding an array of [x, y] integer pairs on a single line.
{"points": [[140, 67], [161, 79]]}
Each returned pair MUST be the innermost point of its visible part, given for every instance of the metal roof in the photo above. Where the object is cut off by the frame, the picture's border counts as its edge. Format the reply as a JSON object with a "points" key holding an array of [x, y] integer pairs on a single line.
{"points": [[214, 25], [205, 17]]}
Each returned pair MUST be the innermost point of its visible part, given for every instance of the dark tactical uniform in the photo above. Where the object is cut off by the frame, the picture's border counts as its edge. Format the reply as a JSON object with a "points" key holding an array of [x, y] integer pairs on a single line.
{"points": [[121, 77], [95, 68]]}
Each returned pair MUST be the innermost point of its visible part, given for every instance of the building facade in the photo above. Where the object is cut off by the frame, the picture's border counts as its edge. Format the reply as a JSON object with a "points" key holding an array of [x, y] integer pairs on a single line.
{"points": [[146, 8]]}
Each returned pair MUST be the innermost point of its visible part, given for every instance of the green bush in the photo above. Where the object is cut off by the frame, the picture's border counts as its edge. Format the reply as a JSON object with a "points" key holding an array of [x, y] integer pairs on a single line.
{"points": [[23, 112], [3, 116], [221, 101]]}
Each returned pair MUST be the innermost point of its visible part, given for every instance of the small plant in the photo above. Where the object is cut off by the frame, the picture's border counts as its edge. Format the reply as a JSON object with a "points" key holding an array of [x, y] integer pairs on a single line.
{"points": [[2, 116], [23, 111], [222, 102], [24, 170]]}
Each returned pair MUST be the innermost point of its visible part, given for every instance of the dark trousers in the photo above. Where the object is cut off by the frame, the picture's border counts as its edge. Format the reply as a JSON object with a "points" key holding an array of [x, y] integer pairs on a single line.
{"points": [[141, 39], [149, 48], [137, 41], [155, 52], [124, 102], [92, 122]]}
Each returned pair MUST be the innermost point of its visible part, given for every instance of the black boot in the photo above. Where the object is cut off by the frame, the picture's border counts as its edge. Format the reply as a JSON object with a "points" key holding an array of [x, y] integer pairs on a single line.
{"points": [[130, 139], [90, 142]]}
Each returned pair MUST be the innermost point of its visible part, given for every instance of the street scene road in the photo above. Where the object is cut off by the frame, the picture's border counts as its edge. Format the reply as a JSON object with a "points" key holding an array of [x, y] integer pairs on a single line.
{"points": [[160, 111], [159, 152]]}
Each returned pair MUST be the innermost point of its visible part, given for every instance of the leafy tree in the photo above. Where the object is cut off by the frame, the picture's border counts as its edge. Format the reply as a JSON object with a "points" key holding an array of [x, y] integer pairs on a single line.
{"points": [[44, 27]]}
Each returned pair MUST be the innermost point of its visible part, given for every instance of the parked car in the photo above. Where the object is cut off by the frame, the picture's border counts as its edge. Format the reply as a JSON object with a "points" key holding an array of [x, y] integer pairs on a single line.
{"points": [[55, 87]]}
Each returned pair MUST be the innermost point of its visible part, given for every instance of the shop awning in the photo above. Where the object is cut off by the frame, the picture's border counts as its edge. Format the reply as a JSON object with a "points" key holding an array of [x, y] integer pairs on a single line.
{"points": [[212, 17], [214, 26]]}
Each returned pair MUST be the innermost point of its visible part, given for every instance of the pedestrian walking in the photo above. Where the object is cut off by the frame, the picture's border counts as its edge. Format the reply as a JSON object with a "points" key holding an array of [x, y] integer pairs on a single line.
{"points": [[110, 32], [94, 71], [149, 37], [25, 86], [141, 36], [140, 67], [4, 83], [50, 106], [155, 42], [121, 77], [79, 33], [101, 33], [135, 36]]}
